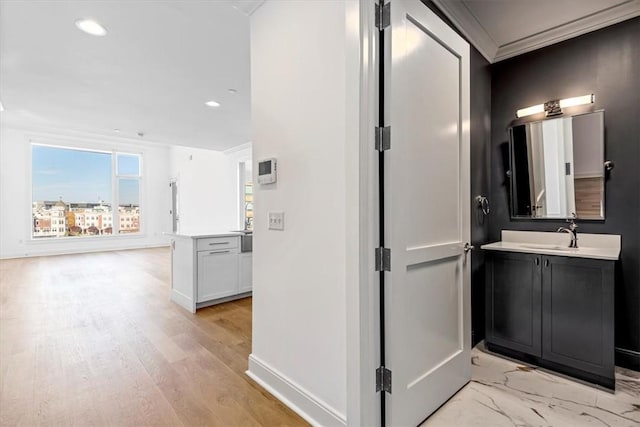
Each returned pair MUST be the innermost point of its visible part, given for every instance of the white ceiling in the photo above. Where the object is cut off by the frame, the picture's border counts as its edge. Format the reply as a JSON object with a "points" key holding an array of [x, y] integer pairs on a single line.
{"points": [[152, 73], [500, 29], [161, 60]]}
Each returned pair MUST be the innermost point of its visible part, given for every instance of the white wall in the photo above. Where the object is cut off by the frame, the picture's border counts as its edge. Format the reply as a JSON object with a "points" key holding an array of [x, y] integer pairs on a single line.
{"points": [[207, 188], [15, 194], [304, 104]]}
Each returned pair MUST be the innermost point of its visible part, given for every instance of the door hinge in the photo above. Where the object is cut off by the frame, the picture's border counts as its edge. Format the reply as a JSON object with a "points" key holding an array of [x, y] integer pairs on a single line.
{"points": [[383, 259], [383, 379], [383, 138], [383, 16]]}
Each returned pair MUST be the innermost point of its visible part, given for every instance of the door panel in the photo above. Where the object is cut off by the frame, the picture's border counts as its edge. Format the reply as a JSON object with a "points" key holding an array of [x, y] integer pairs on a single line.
{"points": [[434, 139], [430, 281], [426, 212]]}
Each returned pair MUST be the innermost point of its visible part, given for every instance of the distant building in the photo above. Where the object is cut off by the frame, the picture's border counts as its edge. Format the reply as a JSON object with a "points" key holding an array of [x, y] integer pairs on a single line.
{"points": [[49, 219], [59, 219]]}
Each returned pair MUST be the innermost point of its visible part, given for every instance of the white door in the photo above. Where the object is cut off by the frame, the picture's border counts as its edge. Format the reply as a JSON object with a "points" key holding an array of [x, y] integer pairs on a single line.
{"points": [[427, 213]]}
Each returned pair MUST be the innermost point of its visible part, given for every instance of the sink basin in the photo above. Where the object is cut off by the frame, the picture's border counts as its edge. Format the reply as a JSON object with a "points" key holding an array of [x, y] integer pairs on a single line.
{"points": [[549, 247]]}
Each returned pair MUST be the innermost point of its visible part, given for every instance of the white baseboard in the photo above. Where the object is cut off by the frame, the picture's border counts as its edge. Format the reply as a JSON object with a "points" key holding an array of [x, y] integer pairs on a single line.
{"points": [[182, 300], [313, 410], [71, 251]]}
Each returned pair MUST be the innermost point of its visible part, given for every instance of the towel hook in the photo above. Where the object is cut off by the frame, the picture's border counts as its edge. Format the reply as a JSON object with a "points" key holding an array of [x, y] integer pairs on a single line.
{"points": [[483, 203]]}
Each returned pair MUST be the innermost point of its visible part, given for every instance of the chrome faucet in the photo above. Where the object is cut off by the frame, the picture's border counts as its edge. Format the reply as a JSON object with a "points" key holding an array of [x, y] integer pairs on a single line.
{"points": [[571, 230]]}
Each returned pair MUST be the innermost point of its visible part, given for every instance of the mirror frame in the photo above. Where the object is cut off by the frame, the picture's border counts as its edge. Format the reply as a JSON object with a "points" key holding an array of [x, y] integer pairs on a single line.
{"points": [[511, 179]]}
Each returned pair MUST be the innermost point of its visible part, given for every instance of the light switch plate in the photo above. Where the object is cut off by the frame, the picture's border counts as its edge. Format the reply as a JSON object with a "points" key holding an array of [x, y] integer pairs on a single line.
{"points": [[276, 220]]}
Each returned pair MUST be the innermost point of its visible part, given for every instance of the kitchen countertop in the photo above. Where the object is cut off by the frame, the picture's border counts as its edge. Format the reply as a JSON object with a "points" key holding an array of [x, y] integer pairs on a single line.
{"points": [[204, 235]]}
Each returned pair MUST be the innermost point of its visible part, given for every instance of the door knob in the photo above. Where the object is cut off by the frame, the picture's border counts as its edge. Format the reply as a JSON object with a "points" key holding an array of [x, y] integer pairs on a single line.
{"points": [[467, 247]]}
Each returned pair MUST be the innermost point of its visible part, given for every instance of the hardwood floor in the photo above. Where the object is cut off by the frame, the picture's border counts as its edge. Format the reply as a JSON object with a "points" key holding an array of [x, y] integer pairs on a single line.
{"points": [[92, 339]]}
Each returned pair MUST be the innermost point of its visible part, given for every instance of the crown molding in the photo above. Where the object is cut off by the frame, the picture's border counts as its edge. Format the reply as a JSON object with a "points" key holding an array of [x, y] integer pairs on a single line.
{"points": [[593, 22], [237, 148], [247, 7], [469, 26]]}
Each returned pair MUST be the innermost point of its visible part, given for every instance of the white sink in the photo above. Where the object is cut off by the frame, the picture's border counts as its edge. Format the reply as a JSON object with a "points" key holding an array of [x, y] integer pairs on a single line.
{"points": [[597, 246], [552, 247]]}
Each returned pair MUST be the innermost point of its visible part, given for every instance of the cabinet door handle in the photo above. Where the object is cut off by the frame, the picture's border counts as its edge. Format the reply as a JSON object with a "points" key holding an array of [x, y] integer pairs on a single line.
{"points": [[218, 252], [546, 263], [537, 261], [218, 243]]}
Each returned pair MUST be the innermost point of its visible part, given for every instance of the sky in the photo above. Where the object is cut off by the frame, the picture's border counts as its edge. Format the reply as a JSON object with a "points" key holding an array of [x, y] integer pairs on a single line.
{"points": [[80, 176]]}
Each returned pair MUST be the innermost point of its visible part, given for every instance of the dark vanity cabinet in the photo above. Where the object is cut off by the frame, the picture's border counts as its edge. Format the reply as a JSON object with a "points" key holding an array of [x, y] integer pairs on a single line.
{"points": [[553, 311]]}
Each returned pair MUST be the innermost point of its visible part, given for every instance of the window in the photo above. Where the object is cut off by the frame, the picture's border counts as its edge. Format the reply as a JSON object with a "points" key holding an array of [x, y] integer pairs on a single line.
{"points": [[74, 192], [246, 195]]}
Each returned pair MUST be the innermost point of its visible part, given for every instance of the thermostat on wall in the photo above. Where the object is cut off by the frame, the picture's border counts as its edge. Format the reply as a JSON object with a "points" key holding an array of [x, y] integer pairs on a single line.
{"points": [[267, 171]]}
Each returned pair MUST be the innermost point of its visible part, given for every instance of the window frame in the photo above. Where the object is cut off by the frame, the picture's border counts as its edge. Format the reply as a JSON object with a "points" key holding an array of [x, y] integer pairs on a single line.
{"points": [[242, 182], [112, 149]]}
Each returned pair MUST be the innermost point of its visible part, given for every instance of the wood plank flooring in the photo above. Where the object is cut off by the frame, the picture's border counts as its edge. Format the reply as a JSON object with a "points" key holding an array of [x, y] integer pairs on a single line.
{"points": [[92, 340]]}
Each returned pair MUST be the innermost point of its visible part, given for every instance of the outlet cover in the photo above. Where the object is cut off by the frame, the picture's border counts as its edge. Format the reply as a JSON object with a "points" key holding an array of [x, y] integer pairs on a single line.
{"points": [[276, 220]]}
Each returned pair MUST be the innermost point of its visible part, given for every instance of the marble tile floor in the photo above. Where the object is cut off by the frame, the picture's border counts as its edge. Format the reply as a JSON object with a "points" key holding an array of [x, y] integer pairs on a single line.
{"points": [[507, 393]]}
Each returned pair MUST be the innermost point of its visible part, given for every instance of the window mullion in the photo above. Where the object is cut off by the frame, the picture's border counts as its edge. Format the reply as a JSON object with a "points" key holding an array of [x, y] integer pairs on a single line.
{"points": [[114, 196]]}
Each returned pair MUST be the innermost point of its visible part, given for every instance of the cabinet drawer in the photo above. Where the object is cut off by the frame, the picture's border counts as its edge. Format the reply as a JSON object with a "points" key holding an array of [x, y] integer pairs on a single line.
{"points": [[215, 243]]}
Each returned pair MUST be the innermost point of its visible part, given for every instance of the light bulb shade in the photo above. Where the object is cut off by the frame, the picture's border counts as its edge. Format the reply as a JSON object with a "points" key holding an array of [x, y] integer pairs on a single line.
{"points": [[577, 100], [536, 109]]}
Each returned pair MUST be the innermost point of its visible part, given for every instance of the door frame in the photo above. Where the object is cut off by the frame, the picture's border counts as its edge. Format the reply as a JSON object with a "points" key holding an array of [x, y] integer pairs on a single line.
{"points": [[362, 42]]}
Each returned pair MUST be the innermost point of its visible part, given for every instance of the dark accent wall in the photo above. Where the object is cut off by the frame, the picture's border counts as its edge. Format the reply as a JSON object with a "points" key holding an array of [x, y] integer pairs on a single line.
{"points": [[480, 184], [607, 63], [480, 136]]}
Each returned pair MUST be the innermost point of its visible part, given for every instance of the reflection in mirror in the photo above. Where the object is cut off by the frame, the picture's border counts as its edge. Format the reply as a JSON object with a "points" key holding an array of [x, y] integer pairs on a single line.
{"points": [[557, 168]]}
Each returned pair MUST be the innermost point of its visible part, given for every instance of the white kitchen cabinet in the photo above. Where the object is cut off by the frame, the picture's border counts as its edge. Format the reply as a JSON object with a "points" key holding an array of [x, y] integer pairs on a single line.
{"points": [[208, 269], [246, 272], [217, 274]]}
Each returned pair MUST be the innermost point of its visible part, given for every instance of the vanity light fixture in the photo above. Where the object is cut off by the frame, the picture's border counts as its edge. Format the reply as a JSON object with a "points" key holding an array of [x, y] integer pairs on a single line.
{"points": [[91, 26], [554, 107]]}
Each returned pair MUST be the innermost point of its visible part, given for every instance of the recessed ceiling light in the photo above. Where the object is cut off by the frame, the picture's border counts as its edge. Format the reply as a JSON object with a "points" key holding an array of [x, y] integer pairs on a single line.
{"points": [[212, 104], [116, 130], [232, 90], [92, 27]]}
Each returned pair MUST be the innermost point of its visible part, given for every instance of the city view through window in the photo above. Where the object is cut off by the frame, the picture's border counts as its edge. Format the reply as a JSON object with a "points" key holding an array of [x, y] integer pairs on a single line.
{"points": [[74, 192]]}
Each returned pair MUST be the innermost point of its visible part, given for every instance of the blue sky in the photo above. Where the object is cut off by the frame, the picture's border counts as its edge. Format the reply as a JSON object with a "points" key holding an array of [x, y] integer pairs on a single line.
{"points": [[79, 176]]}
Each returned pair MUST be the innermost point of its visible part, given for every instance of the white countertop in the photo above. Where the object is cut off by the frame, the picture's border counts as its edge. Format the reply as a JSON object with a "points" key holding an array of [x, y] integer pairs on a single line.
{"points": [[595, 246], [204, 235]]}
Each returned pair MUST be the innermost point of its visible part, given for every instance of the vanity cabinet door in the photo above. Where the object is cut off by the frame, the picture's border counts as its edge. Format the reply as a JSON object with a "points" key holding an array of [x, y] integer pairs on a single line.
{"points": [[578, 313], [513, 301]]}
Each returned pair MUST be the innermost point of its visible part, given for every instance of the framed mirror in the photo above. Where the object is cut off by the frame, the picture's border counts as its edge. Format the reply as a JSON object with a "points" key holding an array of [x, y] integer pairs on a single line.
{"points": [[557, 168]]}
